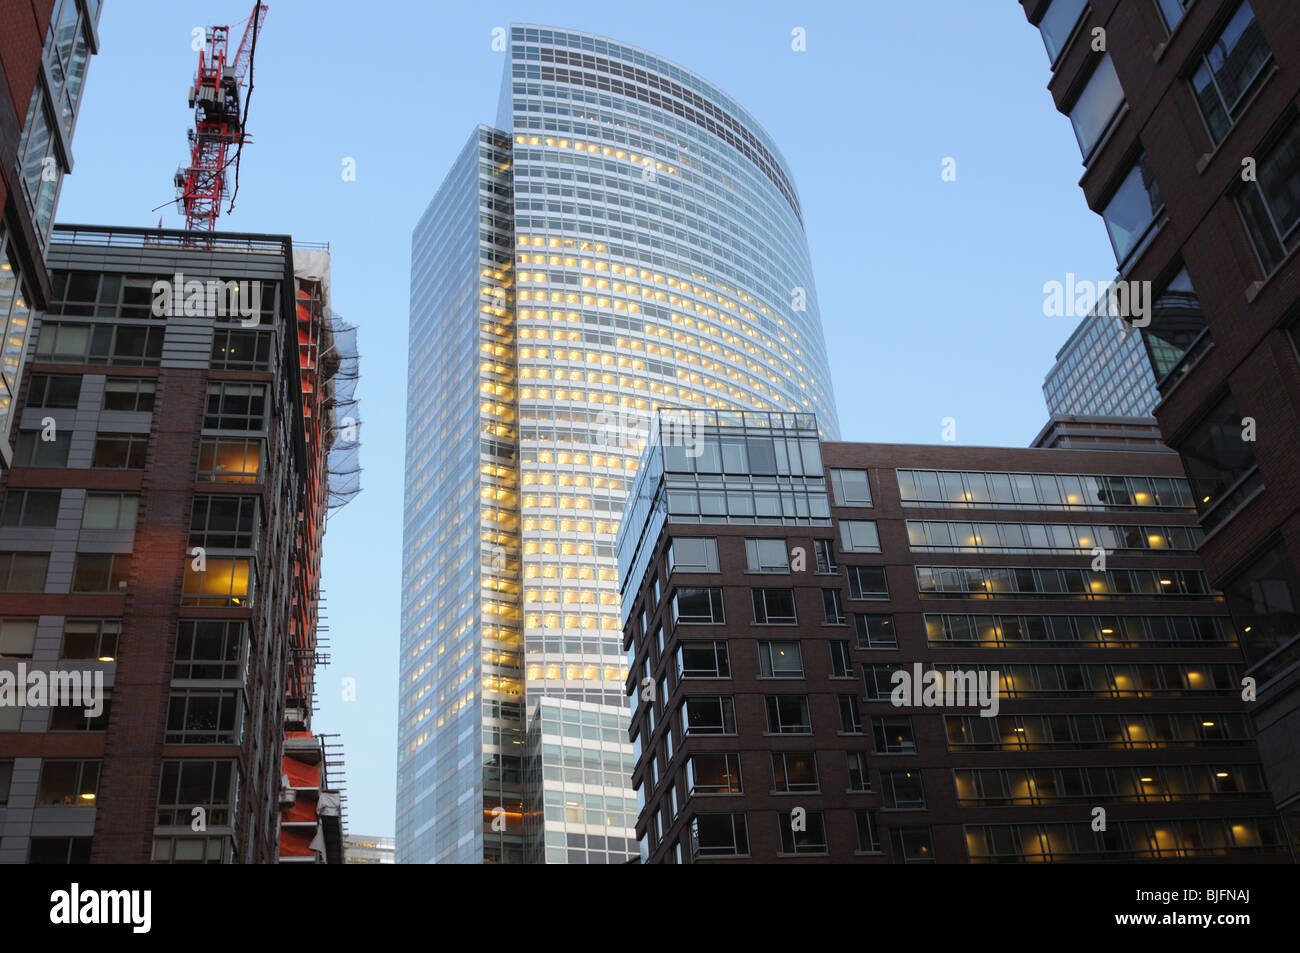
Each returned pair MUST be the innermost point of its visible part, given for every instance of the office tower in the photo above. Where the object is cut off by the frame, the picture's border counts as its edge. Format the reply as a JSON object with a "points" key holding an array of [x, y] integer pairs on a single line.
{"points": [[1101, 370], [1191, 150], [1090, 432], [628, 238], [160, 545], [767, 720], [363, 849], [45, 49]]}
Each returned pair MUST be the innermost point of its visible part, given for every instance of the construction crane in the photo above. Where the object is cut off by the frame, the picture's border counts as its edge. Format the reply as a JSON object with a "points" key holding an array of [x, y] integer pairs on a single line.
{"points": [[201, 186]]}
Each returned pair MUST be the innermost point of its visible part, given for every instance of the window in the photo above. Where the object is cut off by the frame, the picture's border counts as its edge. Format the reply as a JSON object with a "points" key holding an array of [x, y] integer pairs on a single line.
{"points": [[719, 835], [851, 487], [33, 508], [1131, 211], [76, 718], [766, 555], [693, 554], [223, 460], [788, 715], [101, 572], [1262, 600], [6, 777], [110, 511], [235, 406], [833, 607], [850, 716], [53, 391], [1016, 581], [902, 790], [59, 850], [36, 154], [134, 394], [703, 660], [859, 536], [209, 649], [91, 639], [868, 832], [876, 631], [23, 572], [34, 451], [1032, 538], [911, 845], [780, 660], [1228, 72], [240, 350], [1270, 205], [190, 784], [713, 772], [774, 607], [1216, 459], [120, 451], [893, 735], [114, 344], [1096, 106], [190, 850], [794, 771], [697, 606], [825, 551], [1057, 25], [1172, 11], [68, 784], [17, 638], [223, 582], [223, 522], [1039, 491], [91, 294], [1177, 323], [841, 661], [810, 840], [203, 717], [879, 681], [867, 582], [859, 776], [710, 715]]}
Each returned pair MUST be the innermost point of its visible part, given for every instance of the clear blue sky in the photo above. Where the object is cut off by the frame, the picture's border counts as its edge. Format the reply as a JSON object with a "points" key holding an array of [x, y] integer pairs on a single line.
{"points": [[931, 291]]}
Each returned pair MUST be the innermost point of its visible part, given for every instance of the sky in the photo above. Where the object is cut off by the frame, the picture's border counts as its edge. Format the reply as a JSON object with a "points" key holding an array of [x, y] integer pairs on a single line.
{"points": [[931, 291]]}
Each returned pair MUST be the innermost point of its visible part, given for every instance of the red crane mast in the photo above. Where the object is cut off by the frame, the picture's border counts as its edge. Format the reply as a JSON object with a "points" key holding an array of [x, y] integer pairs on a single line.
{"points": [[201, 186]]}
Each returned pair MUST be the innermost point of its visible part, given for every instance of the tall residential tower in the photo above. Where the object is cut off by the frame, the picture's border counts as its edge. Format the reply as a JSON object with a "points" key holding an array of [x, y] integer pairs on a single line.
{"points": [[628, 238]]}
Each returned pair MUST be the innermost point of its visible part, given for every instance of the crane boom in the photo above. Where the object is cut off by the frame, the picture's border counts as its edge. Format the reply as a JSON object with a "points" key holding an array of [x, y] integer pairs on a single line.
{"points": [[251, 30], [218, 122]]}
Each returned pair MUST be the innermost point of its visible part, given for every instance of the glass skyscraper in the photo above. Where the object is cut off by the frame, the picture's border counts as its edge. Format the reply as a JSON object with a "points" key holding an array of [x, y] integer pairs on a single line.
{"points": [[628, 239], [1101, 370]]}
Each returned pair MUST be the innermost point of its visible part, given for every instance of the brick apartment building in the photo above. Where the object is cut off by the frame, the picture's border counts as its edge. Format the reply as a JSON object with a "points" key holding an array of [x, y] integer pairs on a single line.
{"points": [[1188, 123], [774, 584], [162, 528], [45, 49]]}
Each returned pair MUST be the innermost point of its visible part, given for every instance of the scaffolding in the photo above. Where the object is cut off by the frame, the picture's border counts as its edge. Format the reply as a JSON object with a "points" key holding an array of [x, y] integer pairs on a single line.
{"points": [[343, 414]]}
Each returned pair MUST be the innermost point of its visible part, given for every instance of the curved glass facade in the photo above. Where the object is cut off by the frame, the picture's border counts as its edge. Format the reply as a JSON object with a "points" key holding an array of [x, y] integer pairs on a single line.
{"points": [[657, 259]]}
